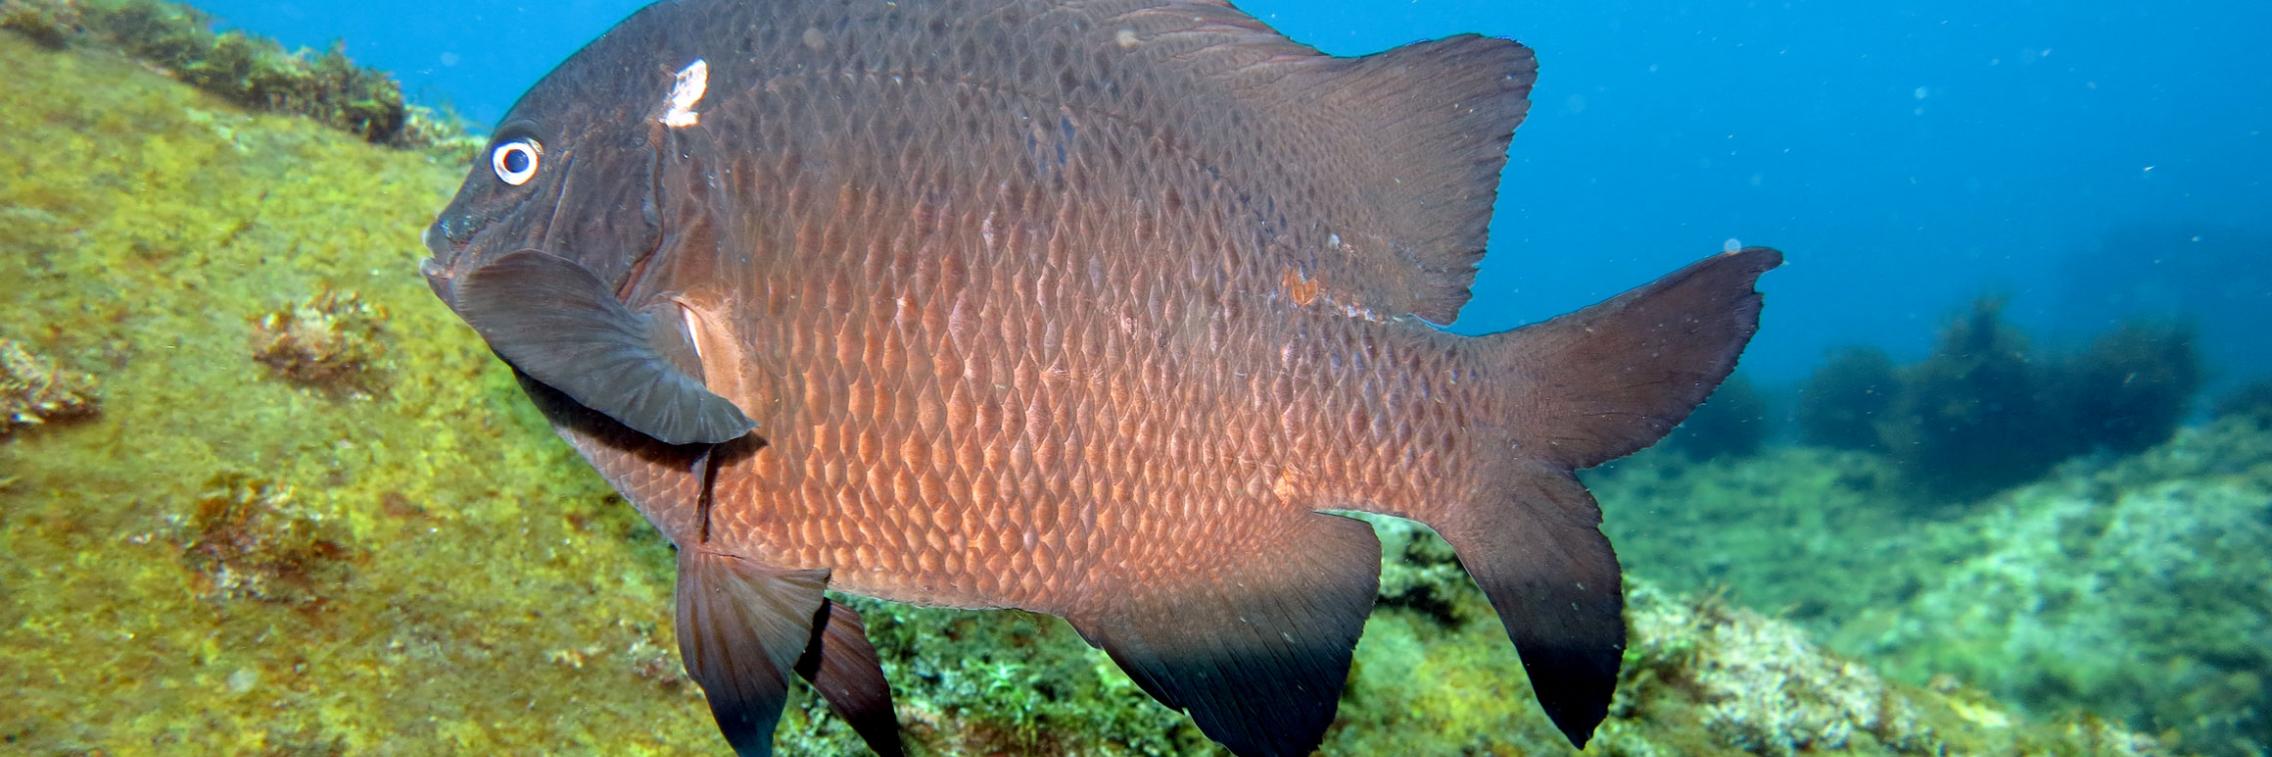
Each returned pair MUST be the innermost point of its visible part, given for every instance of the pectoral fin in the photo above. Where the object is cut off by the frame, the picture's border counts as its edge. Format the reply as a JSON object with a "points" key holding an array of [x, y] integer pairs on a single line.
{"points": [[741, 628], [556, 322]]}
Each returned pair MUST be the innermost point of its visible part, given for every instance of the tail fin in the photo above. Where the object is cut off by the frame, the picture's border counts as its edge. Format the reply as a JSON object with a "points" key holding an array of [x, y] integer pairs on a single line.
{"points": [[1608, 380], [1591, 386]]}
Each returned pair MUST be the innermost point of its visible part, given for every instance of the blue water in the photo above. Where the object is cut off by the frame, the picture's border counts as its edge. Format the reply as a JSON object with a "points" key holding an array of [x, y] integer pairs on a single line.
{"points": [[1909, 156]]}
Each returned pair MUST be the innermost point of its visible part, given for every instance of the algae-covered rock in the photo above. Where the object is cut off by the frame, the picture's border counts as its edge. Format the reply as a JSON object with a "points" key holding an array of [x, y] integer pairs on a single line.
{"points": [[329, 341], [1718, 678], [252, 71], [2130, 588], [35, 391], [2136, 589], [246, 538], [221, 562]]}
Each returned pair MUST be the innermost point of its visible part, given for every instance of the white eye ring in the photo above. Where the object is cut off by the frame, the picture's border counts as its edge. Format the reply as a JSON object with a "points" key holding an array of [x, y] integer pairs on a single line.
{"points": [[515, 162]]}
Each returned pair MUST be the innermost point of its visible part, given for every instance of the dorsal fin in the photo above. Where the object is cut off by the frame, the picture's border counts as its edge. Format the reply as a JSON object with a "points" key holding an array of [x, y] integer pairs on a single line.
{"points": [[1406, 145], [1442, 113]]}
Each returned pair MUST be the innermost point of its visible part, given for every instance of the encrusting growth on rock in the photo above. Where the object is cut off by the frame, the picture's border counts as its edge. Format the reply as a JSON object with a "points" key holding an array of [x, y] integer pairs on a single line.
{"points": [[35, 391], [249, 70], [330, 341], [248, 539]]}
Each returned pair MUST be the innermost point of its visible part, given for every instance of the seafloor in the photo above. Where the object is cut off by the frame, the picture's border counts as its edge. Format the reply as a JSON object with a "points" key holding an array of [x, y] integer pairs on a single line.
{"points": [[260, 492]]}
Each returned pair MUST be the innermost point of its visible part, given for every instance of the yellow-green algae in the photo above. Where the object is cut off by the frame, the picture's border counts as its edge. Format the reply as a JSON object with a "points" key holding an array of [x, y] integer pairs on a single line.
{"points": [[232, 558], [2130, 587], [34, 391], [250, 70]]}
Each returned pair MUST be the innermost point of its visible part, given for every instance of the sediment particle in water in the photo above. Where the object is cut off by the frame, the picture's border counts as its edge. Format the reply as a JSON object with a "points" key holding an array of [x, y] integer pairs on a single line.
{"points": [[35, 391], [247, 538], [331, 341]]}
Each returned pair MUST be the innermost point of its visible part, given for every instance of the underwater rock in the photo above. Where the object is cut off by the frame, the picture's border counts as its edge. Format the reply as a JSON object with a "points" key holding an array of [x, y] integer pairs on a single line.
{"points": [[35, 391], [1703, 676], [247, 539], [1841, 405], [2137, 590], [1763, 686], [252, 71], [2252, 402], [2131, 388], [2129, 588], [1973, 418], [1420, 573], [47, 22], [329, 341]]}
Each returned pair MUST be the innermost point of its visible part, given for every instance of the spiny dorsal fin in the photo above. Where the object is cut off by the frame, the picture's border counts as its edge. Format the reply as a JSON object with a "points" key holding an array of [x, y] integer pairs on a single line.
{"points": [[1406, 144]]}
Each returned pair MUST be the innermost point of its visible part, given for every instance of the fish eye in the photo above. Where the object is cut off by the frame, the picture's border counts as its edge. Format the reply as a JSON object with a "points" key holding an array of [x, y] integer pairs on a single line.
{"points": [[515, 162]]}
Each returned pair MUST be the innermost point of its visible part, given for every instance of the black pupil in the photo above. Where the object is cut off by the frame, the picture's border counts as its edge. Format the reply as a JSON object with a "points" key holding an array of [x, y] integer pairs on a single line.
{"points": [[516, 159]]}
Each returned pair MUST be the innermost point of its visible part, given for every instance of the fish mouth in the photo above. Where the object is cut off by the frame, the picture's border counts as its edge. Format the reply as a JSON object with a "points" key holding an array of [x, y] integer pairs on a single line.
{"points": [[440, 276]]}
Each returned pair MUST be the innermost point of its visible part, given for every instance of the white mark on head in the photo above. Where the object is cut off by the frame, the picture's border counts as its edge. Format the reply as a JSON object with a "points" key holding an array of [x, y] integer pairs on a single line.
{"points": [[687, 90], [1126, 38]]}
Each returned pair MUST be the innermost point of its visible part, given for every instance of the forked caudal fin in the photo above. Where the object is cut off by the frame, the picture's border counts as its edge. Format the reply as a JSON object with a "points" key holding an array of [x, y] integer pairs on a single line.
{"points": [[1590, 387]]}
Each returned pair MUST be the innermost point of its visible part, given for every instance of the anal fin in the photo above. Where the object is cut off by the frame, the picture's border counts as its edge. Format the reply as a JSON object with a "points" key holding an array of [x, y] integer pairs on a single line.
{"points": [[842, 666], [741, 628], [1535, 548], [1257, 651]]}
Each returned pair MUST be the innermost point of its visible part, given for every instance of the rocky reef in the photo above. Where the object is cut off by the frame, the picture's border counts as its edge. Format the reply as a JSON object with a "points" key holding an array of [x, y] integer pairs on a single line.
{"points": [[1988, 409], [294, 529], [34, 391], [2124, 587], [251, 71]]}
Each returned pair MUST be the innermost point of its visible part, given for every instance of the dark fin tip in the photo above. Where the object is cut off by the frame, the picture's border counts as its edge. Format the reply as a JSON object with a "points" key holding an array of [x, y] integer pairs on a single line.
{"points": [[1259, 651], [843, 667], [1536, 550], [741, 628]]}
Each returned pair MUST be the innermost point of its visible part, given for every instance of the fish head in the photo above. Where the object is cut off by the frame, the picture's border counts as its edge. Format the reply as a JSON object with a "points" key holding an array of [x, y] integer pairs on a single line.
{"points": [[573, 169], [554, 248]]}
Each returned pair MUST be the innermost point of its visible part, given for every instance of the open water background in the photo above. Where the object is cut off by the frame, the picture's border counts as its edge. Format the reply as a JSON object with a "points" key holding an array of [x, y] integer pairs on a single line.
{"points": [[2088, 159]]}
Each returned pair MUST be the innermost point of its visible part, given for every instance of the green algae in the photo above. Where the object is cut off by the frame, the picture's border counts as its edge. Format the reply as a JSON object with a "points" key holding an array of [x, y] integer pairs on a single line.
{"points": [[239, 557], [2126, 587], [34, 391], [332, 341], [251, 71], [464, 562]]}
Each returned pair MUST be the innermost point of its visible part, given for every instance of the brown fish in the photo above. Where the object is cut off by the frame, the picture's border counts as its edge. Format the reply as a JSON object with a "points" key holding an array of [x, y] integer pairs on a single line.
{"points": [[1091, 308]]}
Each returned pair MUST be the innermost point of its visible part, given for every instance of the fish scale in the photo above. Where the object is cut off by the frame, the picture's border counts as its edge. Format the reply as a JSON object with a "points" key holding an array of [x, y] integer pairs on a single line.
{"points": [[1087, 308]]}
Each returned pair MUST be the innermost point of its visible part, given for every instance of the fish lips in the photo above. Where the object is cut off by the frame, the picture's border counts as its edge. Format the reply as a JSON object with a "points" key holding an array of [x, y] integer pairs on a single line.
{"points": [[440, 270]]}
